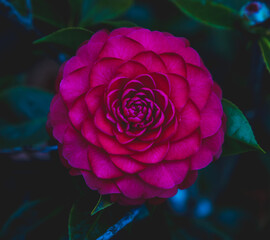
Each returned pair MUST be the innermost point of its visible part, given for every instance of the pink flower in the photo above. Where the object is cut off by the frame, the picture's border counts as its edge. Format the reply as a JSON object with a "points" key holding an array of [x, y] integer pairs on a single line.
{"points": [[137, 114]]}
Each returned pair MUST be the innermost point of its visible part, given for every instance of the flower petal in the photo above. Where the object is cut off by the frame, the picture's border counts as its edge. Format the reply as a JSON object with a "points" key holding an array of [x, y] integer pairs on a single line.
{"points": [[75, 149], [94, 98], [102, 165], [131, 69], [121, 47], [103, 71], [111, 145], [179, 91], [201, 159], [174, 63], [89, 131], [211, 116], [189, 120], [200, 85], [151, 61], [74, 85], [102, 123], [189, 180], [184, 148], [58, 118], [103, 186], [127, 164], [165, 175], [153, 155], [78, 112]]}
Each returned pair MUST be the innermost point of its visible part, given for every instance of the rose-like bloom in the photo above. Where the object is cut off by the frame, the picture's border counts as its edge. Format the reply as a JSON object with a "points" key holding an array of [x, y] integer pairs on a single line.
{"points": [[137, 114]]}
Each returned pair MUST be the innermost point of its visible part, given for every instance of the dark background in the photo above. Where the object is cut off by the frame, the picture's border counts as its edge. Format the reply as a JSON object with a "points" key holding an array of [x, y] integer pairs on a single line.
{"points": [[230, 200]]}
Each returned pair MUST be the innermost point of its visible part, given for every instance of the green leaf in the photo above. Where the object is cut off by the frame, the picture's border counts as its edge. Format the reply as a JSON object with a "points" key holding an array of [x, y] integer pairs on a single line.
{"points": [[264, 44], [96, 11], [29, 216], [105, 224], [101, 204], [69, 38], [239, 136], [24, 116], [208, 12]]}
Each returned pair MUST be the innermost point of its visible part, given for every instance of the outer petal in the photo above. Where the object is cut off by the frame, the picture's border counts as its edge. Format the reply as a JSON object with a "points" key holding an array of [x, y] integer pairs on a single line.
{"points": [[131, 69], [189, 180], [101, 164], [78, 112], [72, 65], [174, 64], [74, 85], [184, 148], [103, 186], [111, 145], [165, 175], [189, 120], [94, 98], [75, 150], [179, 91], [133, 187], [102, 123], [58, 117], [151, 61], [127, 164], [211, 116], [190, 56], [103, 71], [89, 131], [200, 85], [121, 47], [153, 155], [201, 159], [123, 31]]}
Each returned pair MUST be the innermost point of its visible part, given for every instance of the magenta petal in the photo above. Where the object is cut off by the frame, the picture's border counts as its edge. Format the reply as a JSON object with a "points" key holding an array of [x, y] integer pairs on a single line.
{"points": [[89, 131], [217, 90], [167, 193], [103, 71], [78, 112], [215, 142], [162, 82], [123, 31], [185, 147], [75, 150], [102, 165], [121, 47], [151, 135], [189, 180], [74, 85], [179, 91], [72, 65], [103, 186], [153, 155], [200, 85], [127, 164], [94, 98], [139, 146], [111, 145], [211, 116], [201, 159], [102, 123], [165, 175], [131, 69], [174, 63], [123, 138], [189, 120], [133, 187], [58, 117], [190, 56], [151, 61]]}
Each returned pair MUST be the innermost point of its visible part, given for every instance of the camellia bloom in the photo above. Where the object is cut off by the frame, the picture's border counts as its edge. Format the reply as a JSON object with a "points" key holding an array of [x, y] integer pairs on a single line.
{"points": [[137, 114]]}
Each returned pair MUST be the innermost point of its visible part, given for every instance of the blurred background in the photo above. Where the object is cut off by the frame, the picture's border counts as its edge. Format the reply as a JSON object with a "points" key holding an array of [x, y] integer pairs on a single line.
{"points": [[231, 198]]}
